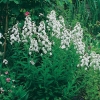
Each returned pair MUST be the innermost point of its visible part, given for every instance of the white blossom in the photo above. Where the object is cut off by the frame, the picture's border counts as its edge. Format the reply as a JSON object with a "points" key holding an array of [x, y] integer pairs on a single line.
{"points": [[1, 35], [38, 38], [32, 62], [85, 60], [5, 61], [1, 90]]}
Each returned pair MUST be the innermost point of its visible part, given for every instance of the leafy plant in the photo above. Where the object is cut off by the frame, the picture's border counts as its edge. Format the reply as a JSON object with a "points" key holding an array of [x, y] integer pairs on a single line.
{"points": [[54, 77], [9, 89]]}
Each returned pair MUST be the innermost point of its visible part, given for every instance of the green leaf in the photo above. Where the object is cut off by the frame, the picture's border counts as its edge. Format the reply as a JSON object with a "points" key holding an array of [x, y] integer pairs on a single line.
{"points": [[15, 11], [16, 1], [68, 1], [1, 1], [60, 3], [4, 1], [98, 36], [48, 1]]}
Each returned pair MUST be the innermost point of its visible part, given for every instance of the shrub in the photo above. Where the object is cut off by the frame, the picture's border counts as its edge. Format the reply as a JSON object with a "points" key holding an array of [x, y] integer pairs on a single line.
{"points": [[44, 60]]}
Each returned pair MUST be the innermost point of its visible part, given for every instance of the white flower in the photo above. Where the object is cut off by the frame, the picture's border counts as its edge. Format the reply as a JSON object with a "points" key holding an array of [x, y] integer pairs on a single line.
{"points": [[38, 39], [85, 60], [63, 46], [50, 53], [0, 42], [44, 50], [32, 62], [85, 68], [95, 60], [33, 46], [1, 35], [1, 90], [5, 61], [40, 14], [30, 53], [43, 42], [13, 86], [77, 37]]}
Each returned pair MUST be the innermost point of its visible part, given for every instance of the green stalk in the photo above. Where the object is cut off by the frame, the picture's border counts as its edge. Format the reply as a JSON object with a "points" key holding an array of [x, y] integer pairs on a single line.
{"points": [[6, 28]]}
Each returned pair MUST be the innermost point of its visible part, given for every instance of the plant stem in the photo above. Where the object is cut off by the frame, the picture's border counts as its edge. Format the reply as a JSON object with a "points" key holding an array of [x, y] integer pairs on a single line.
{"points": [[6, 28]]}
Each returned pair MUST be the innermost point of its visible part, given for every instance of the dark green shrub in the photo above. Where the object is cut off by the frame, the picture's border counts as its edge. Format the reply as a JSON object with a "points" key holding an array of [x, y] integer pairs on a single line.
{"points": [[55, 77]]}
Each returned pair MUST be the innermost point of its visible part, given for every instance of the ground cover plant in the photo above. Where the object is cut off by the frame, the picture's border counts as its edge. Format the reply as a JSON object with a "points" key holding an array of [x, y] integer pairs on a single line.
{"points": [[46, 59]]}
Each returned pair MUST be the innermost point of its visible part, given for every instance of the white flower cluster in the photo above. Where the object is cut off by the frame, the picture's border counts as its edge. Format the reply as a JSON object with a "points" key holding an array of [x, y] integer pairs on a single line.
{"points": [[58, 29], [92, 60], [85, 60], [54, 24], [14, 37], [43, 39], [77, 36], [33, 46], [65, 38], [37, 36], [95, 60], [38, 39], [28, 29]]}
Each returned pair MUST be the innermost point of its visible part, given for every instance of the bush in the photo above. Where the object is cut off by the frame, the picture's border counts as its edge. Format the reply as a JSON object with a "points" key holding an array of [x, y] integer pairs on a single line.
{"points": [[48, 62], [55, 77]]}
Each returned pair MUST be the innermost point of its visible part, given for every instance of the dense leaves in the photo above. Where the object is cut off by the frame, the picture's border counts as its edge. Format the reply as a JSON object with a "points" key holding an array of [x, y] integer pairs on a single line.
{"points": [[50, 77]]}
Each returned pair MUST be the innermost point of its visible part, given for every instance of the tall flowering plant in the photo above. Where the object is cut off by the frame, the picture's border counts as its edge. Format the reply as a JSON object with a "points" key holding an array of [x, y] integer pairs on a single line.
{"points": [[45, 58], [38, 40]]}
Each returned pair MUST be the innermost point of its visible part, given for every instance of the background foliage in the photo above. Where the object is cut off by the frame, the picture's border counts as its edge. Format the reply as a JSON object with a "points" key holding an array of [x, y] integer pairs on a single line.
{"points": [[47, 79], [85, 11]]}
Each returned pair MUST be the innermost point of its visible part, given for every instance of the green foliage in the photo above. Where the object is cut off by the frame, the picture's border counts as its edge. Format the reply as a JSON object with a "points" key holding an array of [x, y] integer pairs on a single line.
{"points": [[16, 9], [85, 11], [92, 42], [54, 77], [91, 81], [9, 90], [5, 1], [51, 77]]}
